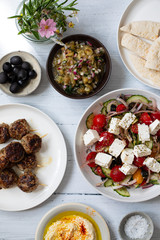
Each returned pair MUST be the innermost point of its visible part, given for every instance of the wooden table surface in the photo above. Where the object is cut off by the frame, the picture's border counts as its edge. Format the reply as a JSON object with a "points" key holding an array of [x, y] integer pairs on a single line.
{"points": [[99, 18]]}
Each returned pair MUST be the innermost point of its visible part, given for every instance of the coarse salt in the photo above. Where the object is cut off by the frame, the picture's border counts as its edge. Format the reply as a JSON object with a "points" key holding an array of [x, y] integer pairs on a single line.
{"points": [[136, 227]]}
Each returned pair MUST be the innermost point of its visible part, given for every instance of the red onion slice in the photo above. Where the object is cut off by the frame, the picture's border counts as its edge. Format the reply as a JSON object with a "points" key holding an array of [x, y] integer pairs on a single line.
{"points": [[129, 183], [147, 186], [122, 101]]}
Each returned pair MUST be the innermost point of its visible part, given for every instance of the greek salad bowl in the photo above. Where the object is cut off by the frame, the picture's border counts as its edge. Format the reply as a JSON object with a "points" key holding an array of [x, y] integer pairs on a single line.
{"points": [[117, 145]]}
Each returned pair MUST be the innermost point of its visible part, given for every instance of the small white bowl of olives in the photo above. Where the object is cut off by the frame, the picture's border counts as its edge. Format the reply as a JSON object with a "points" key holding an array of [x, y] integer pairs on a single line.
{"points": [[20, 73]]}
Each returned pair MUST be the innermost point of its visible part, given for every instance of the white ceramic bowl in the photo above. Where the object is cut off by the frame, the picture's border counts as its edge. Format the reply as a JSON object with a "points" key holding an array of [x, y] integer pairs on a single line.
{"points": [[33, 84], [137, 195], [73, 207]]}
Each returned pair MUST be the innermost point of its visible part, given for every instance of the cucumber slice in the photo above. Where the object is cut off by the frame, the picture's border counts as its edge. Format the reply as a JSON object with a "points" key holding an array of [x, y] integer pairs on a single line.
{"points": [[107, 107], [104, 111], [137, 98], [123, 192], [89, 120], [94, 170], [106, 172], [155, 182], [149, 144], [108, 183]]}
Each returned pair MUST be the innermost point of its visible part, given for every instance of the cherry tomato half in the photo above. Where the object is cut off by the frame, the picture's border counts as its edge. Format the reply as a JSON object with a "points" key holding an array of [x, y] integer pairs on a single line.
{"points": [[116, 174], [99, 120], [120, 108], [99, 172], [145, 118], [98, 129], [155, 116], [91, 157], [108, 138], [134, 128], [139, 161]]}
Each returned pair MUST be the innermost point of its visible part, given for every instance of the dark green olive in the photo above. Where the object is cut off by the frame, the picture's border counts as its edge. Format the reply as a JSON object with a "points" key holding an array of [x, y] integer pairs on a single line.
{"points": [[22, 74], [26, 66], [32, 74], [14, 88], [3, 77], [7, 67], [16, 60]]}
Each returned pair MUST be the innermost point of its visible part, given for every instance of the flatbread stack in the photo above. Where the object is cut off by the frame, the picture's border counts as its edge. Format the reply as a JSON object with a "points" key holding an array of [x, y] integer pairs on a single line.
{"points": [[145, 55]]}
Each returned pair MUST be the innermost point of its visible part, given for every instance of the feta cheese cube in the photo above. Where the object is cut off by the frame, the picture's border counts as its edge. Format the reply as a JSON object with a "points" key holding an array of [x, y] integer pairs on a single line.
{"points": [[127, 120], [127, 156], [143, 133], [90, 137], [114, 127], [141, 150], [103, 160], [117, 147], [152, 164], [154, 127], [128, 169]]}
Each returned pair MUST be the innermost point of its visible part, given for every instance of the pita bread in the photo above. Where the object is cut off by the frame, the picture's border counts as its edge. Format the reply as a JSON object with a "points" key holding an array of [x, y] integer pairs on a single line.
{"points": [[136, 45], [139, 64], [144, 29], [153, 57]]}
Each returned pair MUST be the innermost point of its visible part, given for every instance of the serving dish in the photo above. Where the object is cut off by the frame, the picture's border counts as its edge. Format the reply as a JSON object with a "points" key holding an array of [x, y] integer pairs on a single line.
{"points": [[76, 207], [52, 158], [95, 43], [33, 84], [80, 150], [138, 10], [148, 234]]}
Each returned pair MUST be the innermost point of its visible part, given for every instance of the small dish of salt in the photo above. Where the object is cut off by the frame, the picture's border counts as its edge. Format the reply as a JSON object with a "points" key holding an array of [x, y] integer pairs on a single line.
{"points": [[136, 226]]}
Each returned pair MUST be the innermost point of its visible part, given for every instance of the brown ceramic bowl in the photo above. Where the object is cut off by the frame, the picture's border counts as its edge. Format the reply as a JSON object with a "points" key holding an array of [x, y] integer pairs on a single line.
{"points": [[95, 43]]}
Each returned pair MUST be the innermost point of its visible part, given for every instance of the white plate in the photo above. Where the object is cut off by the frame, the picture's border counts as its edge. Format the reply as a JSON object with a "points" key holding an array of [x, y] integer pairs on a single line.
{"points": [[73, 207], [33, 84], [138, 10], [52, 155], [137, 195]]}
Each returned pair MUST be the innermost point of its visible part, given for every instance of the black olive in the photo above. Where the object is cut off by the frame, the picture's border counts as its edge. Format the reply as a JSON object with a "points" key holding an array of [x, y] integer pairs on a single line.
{"points": [[14, 88], [144, 173], [32, 74], [16, 60], [7, 67], [16, 69], [113, 164], [3, 77], [23, 83], [22, 74], [12, 77], [103, 178], [113, 107], [26, 66]]}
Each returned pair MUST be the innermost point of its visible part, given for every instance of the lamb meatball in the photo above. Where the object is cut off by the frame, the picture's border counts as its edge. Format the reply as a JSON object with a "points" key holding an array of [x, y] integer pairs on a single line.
{"points": [[14, 152], [31, 143], [19, 128], [28, 162], [27, 182], [4, 133], [3, 160], [7, 178]]}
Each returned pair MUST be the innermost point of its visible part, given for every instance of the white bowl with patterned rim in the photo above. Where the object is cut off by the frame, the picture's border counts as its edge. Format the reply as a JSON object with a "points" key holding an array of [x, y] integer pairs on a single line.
{"points": [[136, 195]]}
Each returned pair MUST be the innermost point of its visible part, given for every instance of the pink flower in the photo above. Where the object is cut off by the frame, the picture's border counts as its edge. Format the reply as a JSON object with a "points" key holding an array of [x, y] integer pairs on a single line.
{"points": [[47, 28]]}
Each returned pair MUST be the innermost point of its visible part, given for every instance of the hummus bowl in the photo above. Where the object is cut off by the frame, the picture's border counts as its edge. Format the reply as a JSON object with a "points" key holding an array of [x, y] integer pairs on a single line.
{"points": [[92, 219], [136, 195]]}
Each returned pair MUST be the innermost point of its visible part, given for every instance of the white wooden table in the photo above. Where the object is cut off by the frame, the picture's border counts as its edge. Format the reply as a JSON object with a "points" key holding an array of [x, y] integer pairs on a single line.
{"points": [[100, 19]]}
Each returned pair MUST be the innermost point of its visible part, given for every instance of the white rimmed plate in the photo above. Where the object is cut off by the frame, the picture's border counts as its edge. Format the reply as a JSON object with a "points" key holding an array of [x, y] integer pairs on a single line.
{"points": [[33, 84], [137, 195], [52, 157], [73, 207], [138, 10]]}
